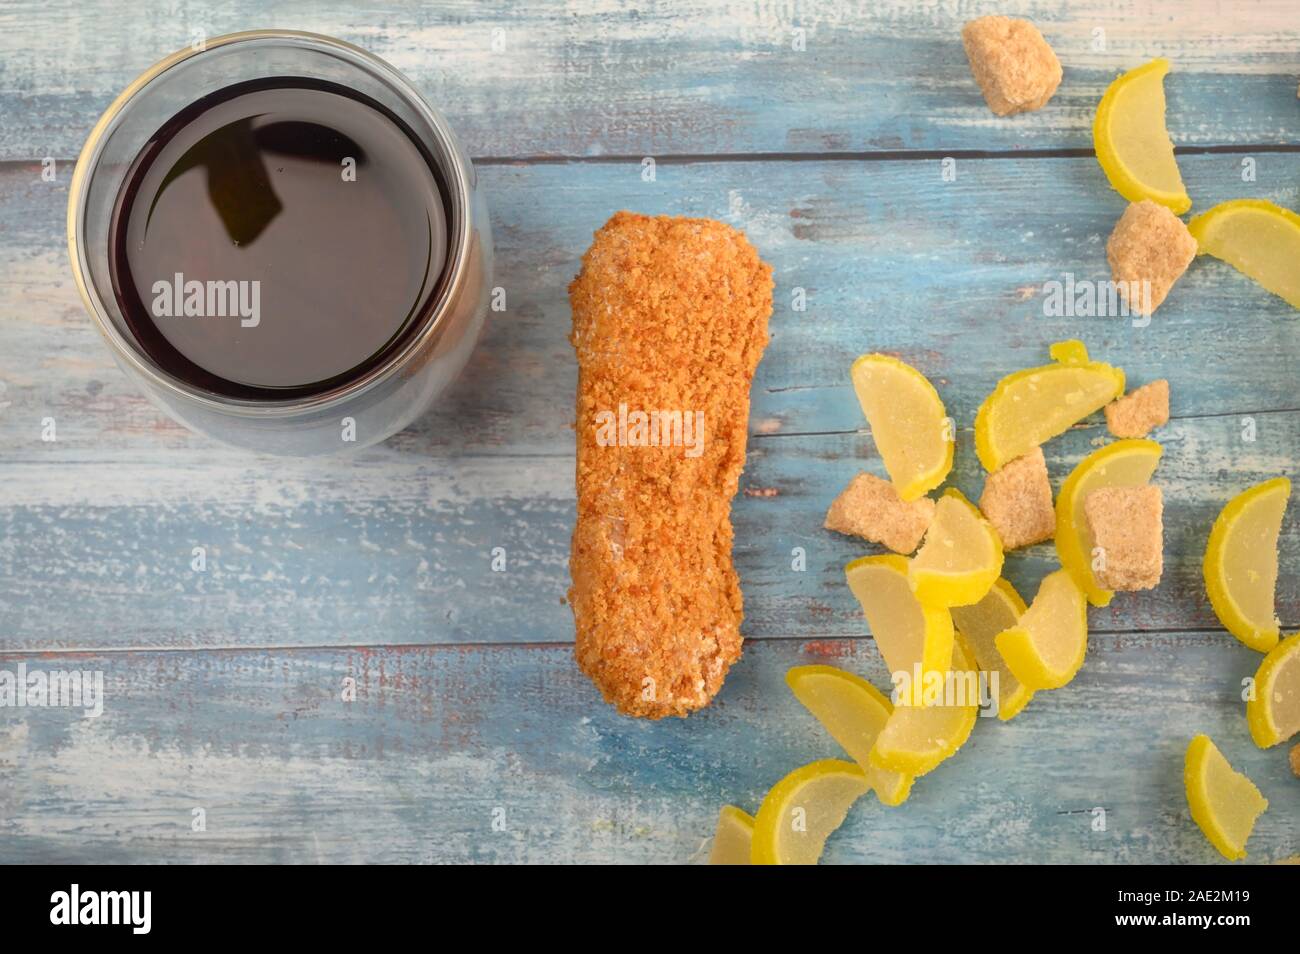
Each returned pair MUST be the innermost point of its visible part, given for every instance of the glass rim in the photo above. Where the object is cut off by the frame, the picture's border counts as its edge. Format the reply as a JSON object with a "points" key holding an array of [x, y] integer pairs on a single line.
{"points": [[458, 248]]}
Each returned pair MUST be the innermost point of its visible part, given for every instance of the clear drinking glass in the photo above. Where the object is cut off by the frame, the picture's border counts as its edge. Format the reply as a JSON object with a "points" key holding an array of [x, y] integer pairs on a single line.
{"points": [[384, 399]]}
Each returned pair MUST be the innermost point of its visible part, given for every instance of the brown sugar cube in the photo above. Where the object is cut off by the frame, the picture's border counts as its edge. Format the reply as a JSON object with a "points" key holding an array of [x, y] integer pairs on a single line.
{"points": [[1017, 500], [1127, 526], [870, 507], [1295, 760], [1137, 413], [1016, 69], [1148, 251]]}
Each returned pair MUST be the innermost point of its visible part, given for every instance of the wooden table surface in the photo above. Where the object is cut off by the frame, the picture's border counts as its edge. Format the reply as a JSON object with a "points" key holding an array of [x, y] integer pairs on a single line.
{"points": [[225, 687]]}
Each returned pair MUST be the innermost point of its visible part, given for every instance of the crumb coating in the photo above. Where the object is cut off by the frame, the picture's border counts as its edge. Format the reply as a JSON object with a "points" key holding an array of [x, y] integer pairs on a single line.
{"points": [[669, 315]]}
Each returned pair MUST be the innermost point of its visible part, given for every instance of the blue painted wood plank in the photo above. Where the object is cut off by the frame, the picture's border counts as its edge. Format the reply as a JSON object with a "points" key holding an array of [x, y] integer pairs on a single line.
{"points": [[1205, 462], [440, 739], [392, 550], [394, 546], [949, 275], [533, 78]]}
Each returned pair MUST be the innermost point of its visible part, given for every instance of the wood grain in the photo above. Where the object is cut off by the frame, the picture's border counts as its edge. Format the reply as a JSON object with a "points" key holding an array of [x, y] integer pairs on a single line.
{"points": [[394, 549], [395, 545], [224, 685], [614, 77], [439, 739], [948, 275]]}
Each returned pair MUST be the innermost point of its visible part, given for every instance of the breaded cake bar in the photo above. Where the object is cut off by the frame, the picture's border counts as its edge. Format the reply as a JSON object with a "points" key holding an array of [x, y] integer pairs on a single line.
{"points": [[669, 322]]}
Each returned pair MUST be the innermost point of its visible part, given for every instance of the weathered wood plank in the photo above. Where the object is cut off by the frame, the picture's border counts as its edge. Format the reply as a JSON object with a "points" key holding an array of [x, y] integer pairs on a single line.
{"points": [[1205, 462], [617, 77], [948, 275], [439, 739], [395, 548], [382, 548]]}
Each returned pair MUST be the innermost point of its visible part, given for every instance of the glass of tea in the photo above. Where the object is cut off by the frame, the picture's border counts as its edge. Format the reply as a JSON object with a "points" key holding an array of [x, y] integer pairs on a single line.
{"points": [[282, 242]]}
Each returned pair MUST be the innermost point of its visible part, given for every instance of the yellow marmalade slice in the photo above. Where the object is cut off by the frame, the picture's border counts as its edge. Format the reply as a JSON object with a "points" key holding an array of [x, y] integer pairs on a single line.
{"points": [[960, 558], [1132, 142], [1257, 238], [1241, 563], [916, 739], [1032, 406], [981, 623], [732, 843], [1273, 713], [908, 633], [1224, 803], [802, 810], [1047, 647], [908, 422], [853, 711]]}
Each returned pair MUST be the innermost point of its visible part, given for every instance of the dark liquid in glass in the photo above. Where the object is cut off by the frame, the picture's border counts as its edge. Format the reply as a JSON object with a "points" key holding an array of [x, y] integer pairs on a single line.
{"points": [[279, 238]]}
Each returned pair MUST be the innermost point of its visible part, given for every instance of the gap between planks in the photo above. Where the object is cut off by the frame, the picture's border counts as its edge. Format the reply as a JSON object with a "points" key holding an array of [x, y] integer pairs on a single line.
{"points": [[971, 429], [534, 646], [865, 155], [753, 435]]}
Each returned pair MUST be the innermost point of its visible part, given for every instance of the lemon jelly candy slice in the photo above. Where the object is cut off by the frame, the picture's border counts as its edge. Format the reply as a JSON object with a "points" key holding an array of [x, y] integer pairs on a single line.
{"points": [[915, 739], [1032, 406], [1241, 563], [853, 711], [908, 422], [1224, 803], [980, 624], [1273, 713], [1257, 238], [1046, 648], [802, 810], [734, 838], [960, 558], [908, 633], [1132, 142]]}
